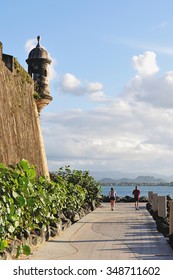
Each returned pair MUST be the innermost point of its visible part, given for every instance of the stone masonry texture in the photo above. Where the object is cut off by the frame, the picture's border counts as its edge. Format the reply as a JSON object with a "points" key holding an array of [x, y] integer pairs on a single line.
{"points": [[20, 132]]}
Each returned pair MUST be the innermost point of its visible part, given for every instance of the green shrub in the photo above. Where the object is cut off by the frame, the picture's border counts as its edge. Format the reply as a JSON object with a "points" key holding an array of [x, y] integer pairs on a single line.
{"points": [[83, 179], [29, 203]]}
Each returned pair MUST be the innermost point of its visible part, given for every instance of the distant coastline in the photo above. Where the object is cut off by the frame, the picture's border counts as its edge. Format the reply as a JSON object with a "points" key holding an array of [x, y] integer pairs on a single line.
{"points": [[123, 191], [140, 181], [136, 183]]}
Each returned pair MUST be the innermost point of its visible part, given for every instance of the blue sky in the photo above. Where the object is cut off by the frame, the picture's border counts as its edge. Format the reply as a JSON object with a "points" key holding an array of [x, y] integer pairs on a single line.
{"points": [[111, 81]]}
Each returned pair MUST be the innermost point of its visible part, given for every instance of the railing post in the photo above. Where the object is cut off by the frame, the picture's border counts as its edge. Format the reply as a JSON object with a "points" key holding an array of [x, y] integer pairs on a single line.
{"points": [[155, 201], [150, 197], [171, 217], [162, 211]]}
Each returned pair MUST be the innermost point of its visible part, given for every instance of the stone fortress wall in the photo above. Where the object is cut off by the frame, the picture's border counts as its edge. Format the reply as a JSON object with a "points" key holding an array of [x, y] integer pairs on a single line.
{"points": [[20, 131]]}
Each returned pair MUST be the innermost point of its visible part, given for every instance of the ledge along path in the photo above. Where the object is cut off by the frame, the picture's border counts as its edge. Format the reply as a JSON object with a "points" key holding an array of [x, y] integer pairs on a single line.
{"points": [[122, 234]]}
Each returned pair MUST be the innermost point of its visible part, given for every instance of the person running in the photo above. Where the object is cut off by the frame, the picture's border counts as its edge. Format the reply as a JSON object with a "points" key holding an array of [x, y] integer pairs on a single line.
{"points": [[112, 196], [136, 193]]}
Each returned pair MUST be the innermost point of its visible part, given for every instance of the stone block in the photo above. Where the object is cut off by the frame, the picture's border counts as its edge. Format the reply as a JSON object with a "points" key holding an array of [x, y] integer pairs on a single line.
{"points": [[155, 202], [171, 217], [150, 197], [162, 206]]}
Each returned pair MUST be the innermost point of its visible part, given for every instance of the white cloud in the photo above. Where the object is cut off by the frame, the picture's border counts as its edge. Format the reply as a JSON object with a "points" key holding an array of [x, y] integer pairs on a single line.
{"points": [[98, 96], [169, 77], [92, 87], [133, 132], [145, 64], [148, 87], [156, 91], [96, 92], [109, 139], [71, 84]]}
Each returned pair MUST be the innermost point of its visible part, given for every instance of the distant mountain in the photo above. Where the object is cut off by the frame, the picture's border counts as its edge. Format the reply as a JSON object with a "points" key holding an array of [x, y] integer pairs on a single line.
{"points": [[115, 175], [107, 180], [125, 180], [149, 179], [138, 180]]}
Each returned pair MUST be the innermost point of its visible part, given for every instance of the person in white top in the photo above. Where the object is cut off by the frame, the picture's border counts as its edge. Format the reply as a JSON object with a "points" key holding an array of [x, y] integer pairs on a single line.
{"points": [[112, 196]]}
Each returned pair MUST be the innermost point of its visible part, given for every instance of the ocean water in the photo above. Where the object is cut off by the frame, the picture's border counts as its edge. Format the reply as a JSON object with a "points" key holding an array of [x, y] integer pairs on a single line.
{"points": [[127, 190]]}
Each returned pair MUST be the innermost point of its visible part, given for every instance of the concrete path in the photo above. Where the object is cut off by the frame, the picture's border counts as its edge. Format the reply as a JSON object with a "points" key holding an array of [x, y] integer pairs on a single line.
{"points": [[123, 234]]}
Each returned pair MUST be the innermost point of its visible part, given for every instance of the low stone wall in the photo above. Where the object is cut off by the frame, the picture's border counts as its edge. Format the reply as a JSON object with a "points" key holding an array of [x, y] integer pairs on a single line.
{"points": [[37, 237], [124, 199], [159, 208]]}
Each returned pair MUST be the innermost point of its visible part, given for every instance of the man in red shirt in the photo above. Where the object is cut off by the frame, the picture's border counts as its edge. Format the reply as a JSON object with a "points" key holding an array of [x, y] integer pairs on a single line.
{"points": [[136, 194]]}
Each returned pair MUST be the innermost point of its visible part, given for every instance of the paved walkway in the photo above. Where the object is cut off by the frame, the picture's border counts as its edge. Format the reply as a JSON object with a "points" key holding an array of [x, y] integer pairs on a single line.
{"points": [[123, 234]]}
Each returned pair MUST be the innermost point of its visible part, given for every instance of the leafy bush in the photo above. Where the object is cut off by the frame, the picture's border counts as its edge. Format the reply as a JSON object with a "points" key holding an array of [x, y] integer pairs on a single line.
{"points": [[28, 203], [83, 179]]}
